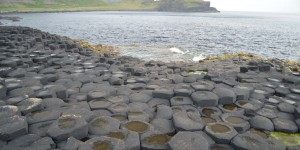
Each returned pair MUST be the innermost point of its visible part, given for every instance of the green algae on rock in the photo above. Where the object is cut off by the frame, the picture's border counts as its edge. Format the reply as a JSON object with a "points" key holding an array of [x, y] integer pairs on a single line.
{"points": [[287, 139]]}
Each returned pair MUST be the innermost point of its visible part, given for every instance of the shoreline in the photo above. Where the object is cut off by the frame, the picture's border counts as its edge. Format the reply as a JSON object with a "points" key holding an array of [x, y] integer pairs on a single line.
{"points": [[66, 11], [59, 94]]}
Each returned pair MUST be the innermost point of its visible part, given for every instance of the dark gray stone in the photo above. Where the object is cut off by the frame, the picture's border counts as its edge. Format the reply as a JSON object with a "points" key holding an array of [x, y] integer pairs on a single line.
{"points": [[66, 126], [185, 122], [163, 93], [295, 97], [3, 91], [40, 128], [116, 81], [203, 86], [265, 91], [29, 105], [131, 126], [72, 144], [131, 139], [103, 125], [164, 126], [249, 141], [286, 107], [238, 122], [241, 94], [139, 115], [210, 111], [179, 100], [50, 103], [188, 141], [274, 144], [99, 104], [9, 111], [261, 123], [12, 127], [154, 141], [282, 91], [205, 99], [97, 95], [43, 115], [139, 97], [221, 147], [231, 108], [83, 112], [221, 133], [250, 107], [285, 125], [226, 96], [118, 99], [183, 90], [267, 112], [112, 143], [164, 112], [119, 108], [22, 92], [24, 141]]}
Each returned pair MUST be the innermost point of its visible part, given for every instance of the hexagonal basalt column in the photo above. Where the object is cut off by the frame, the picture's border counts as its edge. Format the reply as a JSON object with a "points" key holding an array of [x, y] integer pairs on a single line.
{"points": [[231, 108], [3, 91], [103, 143], [261, 123], [188, 141], [249, 141], [239, 122], [179, 100], [30, 105], [66, 126], [205, 99], [154, 141], [12, 127], [226, 96], [103, 125], [249, 106], [164, 126], [221, 133], [285, 125], [203, 86], [97, 95], [163, 93], [137, 126], [9, 110], [210, 111], [185, 122], [131, 139]]}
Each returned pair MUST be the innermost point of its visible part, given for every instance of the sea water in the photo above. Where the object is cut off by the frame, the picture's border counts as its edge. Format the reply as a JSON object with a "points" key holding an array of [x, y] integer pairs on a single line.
{"points": [[171, 36]]}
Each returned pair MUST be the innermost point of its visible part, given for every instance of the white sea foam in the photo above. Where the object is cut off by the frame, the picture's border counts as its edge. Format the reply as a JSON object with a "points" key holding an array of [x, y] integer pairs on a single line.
{"points": [[198, 58], [177, 50]]}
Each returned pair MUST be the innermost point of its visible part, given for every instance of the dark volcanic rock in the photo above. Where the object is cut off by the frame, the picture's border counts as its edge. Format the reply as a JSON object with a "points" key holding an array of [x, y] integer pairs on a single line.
{"points": [[55, 93], [189, 141], [226, 96]]}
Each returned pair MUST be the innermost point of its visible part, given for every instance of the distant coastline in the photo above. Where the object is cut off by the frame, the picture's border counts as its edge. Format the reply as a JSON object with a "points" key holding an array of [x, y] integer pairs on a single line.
{"points": [[125, 5], [65, 11]]}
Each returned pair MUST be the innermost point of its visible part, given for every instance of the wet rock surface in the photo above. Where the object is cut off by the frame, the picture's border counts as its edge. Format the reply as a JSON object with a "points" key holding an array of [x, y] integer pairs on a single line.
{"points": [[56, 94]]}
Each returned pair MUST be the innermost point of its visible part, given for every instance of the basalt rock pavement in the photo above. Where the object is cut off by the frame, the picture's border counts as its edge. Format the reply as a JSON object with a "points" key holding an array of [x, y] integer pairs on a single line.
{"points": [[56, 94]]}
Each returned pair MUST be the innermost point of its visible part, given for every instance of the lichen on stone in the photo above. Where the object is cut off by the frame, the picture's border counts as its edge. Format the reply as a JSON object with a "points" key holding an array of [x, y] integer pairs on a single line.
{"points": [[287, 139]]}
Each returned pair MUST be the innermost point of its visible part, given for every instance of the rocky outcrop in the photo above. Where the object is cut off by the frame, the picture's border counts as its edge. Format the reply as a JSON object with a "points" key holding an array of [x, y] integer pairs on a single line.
{"points": [[183, 6]]}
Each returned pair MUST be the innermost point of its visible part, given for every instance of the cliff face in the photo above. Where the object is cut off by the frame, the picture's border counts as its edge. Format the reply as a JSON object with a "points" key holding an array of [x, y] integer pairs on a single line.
{"points": [[185, 6]]}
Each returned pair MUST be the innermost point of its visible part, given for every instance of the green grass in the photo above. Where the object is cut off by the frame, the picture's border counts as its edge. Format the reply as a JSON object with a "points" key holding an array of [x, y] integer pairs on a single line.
{"points": [[65, 5]]}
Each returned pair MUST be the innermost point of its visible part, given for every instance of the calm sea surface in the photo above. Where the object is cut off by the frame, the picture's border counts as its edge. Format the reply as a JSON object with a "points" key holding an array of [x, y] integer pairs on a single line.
{"points": [[176, 36]]}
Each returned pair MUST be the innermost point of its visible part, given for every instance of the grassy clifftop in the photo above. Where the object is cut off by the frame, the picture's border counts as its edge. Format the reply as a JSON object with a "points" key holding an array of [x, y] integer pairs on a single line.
{"points": [[65, 5], [57, 5]]}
